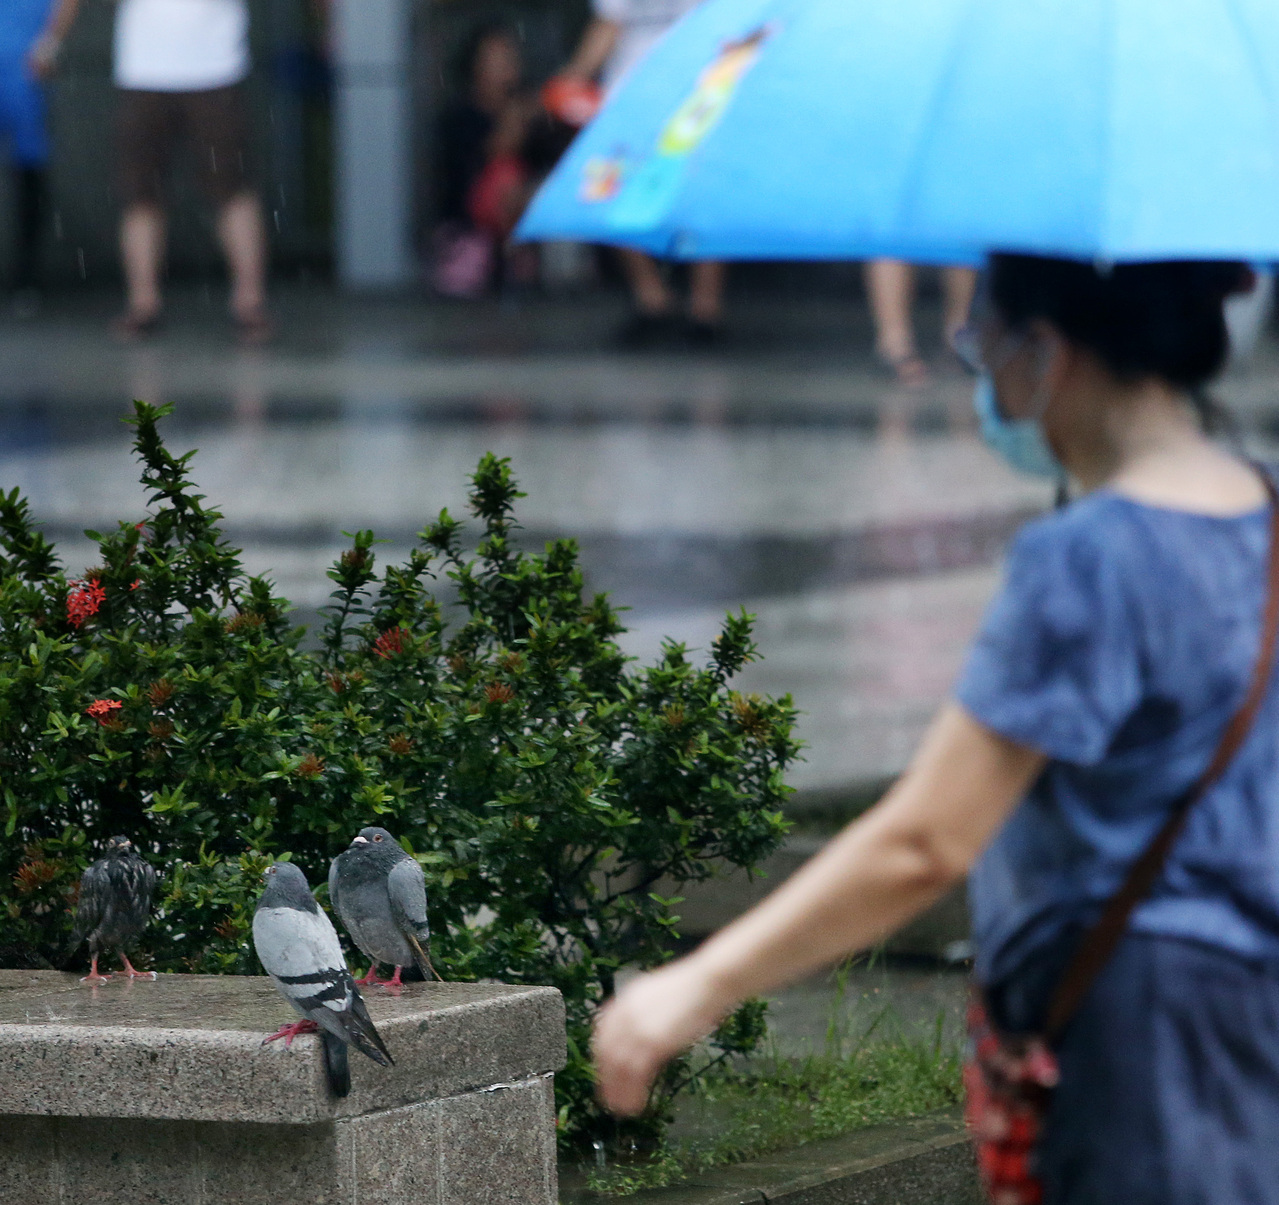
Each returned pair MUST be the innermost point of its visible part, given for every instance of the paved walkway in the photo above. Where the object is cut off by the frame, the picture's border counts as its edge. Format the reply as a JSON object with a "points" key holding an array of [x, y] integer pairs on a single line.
{"points": [[786, 474]]}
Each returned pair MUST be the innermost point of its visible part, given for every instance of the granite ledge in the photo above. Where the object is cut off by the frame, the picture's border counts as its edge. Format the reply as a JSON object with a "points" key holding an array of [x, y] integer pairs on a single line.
{"points": [[188, 1048]]}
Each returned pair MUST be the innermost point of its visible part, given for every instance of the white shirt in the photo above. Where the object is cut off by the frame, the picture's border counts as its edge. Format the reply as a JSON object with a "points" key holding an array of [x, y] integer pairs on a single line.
{"points": [[181, 45], [642, 24]]}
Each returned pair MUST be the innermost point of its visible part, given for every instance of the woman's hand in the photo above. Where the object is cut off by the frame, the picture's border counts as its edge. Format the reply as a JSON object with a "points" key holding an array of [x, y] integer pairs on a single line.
{"points": [[884, 868], [646, 1025]]}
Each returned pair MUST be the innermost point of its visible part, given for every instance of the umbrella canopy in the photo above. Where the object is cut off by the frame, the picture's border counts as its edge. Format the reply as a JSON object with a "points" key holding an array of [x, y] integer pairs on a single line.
{"points": [[937, 130]]}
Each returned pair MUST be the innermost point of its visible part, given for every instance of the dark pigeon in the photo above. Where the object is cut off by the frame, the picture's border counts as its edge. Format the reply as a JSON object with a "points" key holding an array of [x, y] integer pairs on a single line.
{"points": [[114, 906], [299, 948], [379, 891]]}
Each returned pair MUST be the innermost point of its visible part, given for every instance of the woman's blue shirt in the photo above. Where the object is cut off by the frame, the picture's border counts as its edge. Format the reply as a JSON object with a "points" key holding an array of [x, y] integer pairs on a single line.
{"points": [[1120, 645]]}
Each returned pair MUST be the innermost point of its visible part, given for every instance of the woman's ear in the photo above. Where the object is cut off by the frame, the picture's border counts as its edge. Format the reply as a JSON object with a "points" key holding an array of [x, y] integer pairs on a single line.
{"points": [[1053, 357]]}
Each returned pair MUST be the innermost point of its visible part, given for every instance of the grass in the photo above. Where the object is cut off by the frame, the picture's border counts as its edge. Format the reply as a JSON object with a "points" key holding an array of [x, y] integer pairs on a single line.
{"points": [[770, 1102]]}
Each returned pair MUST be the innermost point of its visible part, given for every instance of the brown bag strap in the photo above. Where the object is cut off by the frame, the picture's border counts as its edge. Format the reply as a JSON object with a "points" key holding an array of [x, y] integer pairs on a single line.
{"points": [[1098, 944]]}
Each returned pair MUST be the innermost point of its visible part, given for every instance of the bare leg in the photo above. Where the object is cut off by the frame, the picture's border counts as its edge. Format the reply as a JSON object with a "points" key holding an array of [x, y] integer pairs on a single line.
{"points": [[93, 976], [243, 239], [289, 1032], [132, 972], [958, 286], [890, 286], [371, 977], [706, 293], [142, 238], [648, 289]]}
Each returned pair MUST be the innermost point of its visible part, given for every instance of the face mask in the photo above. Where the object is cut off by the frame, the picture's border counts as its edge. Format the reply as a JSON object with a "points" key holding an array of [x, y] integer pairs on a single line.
{"points": [[1020, 441]]}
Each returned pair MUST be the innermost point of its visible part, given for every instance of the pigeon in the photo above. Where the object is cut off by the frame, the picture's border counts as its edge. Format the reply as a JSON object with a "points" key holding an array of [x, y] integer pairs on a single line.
{"points": [[114, 906], [299, 948], [379, 891]]}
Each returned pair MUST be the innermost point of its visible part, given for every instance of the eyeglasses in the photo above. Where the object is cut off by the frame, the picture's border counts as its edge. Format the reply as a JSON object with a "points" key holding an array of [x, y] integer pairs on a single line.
{"points": [[968, 343]]}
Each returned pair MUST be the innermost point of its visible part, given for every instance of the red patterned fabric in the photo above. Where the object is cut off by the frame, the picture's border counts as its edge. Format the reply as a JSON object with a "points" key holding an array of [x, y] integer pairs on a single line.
{"points": [[1008, 1083]]}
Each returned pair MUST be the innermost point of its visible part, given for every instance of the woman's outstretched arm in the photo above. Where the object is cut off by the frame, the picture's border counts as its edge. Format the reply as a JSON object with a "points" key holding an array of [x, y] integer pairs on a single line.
{"points": [[883, 869]]}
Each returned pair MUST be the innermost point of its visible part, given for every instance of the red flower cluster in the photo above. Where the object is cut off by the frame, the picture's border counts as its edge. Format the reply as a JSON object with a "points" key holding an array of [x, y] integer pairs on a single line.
{"points": [[101, 709], [391, 642], [83, 600], [34, 874], [498, 692]]}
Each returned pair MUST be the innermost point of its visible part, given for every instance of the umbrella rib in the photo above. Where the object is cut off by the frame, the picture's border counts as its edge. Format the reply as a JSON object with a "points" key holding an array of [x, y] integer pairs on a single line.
{"points": [[1250, 49], [1105, 222], [914, 172]]}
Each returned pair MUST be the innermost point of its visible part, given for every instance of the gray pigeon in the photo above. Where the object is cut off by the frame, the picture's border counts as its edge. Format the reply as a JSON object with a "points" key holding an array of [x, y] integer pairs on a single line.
{"points": [[299, 948], [379, 891], [114, 906]]}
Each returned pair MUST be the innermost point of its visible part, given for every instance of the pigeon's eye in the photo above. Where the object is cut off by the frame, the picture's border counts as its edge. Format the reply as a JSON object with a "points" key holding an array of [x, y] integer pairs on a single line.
{"points": [[377, 838]]}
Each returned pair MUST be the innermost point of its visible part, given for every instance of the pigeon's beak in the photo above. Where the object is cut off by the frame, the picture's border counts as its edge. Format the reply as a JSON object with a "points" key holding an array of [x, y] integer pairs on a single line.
{"points": [[360, 841]]}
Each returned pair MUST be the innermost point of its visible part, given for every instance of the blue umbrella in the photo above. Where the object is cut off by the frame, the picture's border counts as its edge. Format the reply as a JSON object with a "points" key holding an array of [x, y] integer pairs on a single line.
{"points": [[937, 130]]}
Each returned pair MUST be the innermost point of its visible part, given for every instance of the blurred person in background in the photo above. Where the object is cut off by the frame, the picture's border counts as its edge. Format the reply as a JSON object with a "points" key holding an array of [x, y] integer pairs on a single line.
{"points": [[483, 168], [620, 34], [179, 72], [31, 34], [890, 286]]}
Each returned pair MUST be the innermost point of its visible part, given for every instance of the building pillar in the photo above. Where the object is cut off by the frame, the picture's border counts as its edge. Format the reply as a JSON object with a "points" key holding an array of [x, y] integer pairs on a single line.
{"points": [[373, 160]]}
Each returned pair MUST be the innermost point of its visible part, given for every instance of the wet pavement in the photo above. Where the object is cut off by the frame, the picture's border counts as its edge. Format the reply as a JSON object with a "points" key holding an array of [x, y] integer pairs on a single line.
{"points": [[784, 473]]}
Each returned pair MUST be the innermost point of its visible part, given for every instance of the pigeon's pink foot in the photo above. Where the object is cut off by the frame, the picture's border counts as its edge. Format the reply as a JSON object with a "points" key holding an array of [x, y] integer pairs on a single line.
{"points": [[93, 977], [394, 980], [289, 1032], [371, 979], [134, 973]]}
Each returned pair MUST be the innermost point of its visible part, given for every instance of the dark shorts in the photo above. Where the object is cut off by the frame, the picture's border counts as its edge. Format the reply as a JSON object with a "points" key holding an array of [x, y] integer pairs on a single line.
{"points": [[214, 125], [1169, 1088]]}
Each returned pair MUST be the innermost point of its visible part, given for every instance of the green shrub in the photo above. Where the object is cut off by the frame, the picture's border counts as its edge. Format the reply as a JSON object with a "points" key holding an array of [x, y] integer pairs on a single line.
{"points": [[545, 786]]}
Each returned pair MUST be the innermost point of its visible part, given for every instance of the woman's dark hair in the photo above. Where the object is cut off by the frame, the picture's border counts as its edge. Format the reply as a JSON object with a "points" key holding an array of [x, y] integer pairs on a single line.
{"points": [[1160, 319]]}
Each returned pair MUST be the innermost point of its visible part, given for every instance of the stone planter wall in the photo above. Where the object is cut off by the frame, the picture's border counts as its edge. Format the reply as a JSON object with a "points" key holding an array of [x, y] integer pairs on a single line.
{"points": [[160, 1093]]}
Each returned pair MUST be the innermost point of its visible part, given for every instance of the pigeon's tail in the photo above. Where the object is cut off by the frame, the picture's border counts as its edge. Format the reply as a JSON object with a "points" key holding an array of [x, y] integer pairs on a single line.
{"points": [[423, 960], [336, 1064], [362, 1034]]}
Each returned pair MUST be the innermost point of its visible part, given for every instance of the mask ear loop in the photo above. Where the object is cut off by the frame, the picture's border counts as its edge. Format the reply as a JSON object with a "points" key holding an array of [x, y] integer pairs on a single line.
{"points": [[1038, 408]]}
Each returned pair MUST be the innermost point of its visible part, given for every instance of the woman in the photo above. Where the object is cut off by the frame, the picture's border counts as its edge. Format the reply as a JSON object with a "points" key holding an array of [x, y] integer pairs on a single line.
{"points": [[1108, 667], [484, 178]]}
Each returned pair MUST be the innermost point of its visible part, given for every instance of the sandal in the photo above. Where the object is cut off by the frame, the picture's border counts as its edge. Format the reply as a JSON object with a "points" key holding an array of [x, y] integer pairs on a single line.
{"points": [[909, 371], [254, 329], [134, 328]]}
